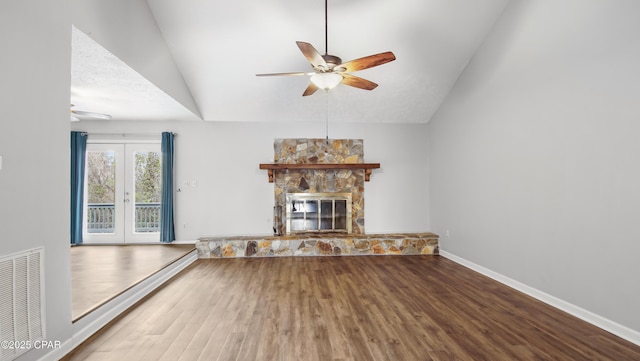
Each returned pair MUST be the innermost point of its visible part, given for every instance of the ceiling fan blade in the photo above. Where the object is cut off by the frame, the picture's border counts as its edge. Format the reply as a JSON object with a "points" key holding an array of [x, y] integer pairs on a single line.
{"points": [[366, 62], [310, 90], [80, 113], [280, 74], [312, 54], [357, 82]]}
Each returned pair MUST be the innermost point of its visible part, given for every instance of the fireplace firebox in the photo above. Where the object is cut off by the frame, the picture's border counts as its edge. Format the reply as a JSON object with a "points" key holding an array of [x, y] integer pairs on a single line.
{"points": [[318, 212]]}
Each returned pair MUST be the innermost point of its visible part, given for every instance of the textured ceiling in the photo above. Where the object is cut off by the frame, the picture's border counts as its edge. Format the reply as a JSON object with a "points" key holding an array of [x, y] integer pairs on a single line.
{"points": [[102, 83], [218, 47]]}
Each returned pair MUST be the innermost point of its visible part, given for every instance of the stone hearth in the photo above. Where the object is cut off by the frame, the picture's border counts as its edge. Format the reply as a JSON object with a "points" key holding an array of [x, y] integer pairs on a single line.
{"points": [[319, 244]]}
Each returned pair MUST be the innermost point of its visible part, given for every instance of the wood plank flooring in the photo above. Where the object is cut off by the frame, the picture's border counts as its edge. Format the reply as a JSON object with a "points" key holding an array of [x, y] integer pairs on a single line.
{"points": [[345, 309], [101, 272]]}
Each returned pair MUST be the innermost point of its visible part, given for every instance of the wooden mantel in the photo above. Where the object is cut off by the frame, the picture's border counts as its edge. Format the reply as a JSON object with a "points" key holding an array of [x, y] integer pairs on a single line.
{"points": [[368, 167]]}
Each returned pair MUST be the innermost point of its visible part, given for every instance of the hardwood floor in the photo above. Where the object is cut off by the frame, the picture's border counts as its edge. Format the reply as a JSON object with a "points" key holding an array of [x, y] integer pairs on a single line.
{"points": [[345, 308], [101, 272]]}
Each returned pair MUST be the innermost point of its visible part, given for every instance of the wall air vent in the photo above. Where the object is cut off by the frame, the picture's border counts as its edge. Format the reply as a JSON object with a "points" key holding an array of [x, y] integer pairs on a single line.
{"points": [[21, 302]]}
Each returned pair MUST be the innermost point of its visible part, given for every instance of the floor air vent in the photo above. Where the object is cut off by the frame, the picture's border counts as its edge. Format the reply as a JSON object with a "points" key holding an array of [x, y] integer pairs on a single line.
{"points": [[21, 302]]}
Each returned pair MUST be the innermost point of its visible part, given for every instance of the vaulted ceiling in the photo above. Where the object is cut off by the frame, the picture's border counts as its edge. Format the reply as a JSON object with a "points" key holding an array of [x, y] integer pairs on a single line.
{"points": [[197, 60]]}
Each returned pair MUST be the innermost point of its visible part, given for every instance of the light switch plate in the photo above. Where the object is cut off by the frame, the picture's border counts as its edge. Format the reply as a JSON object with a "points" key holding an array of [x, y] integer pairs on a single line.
{"points": [[0, 162]]}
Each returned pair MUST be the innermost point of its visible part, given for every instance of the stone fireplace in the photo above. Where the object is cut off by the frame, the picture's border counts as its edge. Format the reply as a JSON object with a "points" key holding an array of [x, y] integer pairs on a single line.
{"points": [[327, 183], [318, 207]]}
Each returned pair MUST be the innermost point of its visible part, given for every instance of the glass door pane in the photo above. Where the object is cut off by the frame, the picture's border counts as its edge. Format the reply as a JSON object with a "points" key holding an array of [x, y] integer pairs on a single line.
{"points": [[297, 215], [311, 207], [326, 215], [341, 215], [101, 192], [147, 191], [143, 177], [103, 212]]}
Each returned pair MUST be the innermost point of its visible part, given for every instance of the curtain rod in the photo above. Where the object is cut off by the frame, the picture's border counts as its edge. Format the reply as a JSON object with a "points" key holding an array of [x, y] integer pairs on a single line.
{"points": [[124, 135]]}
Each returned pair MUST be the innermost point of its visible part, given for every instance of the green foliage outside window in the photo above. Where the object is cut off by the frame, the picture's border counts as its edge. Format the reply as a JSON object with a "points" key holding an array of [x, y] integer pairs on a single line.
{"points": [[148, 177], [101, 177]]}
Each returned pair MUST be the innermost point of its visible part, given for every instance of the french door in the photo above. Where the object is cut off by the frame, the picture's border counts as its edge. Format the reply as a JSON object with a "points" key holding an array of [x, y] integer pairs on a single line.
{"points": [[122, 193]]}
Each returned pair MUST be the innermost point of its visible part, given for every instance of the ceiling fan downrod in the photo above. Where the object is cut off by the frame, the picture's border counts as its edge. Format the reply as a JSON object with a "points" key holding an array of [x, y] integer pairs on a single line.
{"points": [[326, 29]]}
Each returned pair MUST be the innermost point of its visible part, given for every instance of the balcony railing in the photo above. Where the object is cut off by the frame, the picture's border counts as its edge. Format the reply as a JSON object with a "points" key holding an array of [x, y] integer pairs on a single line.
{"points": [[100, 217]]}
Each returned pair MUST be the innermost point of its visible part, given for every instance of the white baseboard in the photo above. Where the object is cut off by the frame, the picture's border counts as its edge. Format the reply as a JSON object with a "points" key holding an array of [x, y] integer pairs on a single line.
{"points": [[117, 306], [594, 319], [184, 242]]}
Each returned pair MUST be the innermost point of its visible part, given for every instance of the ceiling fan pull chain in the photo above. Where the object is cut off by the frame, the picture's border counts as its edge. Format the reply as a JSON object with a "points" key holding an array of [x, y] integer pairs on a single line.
{"points": [[326, 93]]}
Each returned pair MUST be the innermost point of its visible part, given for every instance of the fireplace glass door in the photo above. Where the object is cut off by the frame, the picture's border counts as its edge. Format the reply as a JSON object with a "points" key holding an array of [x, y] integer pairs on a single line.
{"points": [[318, 212]]}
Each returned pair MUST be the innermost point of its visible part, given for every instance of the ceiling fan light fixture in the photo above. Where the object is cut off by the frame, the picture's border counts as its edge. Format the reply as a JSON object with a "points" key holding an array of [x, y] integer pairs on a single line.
{"points": [[329, 70], [326, 81]]}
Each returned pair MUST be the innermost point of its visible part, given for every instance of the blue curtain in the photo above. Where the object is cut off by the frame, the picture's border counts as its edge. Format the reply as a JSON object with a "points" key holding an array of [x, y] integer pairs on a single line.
{"points": [[167, 229], [78, 152]]}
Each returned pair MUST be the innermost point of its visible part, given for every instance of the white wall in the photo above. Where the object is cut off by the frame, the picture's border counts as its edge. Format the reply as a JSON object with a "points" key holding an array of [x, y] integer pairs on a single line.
{"points": [[535, 154], [220, 204], [35, 36]]}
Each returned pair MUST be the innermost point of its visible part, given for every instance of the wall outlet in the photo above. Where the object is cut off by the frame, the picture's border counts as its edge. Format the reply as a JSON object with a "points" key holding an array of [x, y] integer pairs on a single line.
{"points": [[447, 233], [0, 162]]}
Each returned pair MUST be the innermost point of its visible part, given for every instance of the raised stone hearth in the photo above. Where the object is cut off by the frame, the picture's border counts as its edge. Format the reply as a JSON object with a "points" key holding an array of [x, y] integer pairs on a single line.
{"points": [[319, 244]]}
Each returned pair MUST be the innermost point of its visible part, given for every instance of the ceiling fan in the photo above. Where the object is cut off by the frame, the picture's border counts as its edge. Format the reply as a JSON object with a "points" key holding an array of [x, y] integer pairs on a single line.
{"points": [[77, 115], [329, 70]]}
